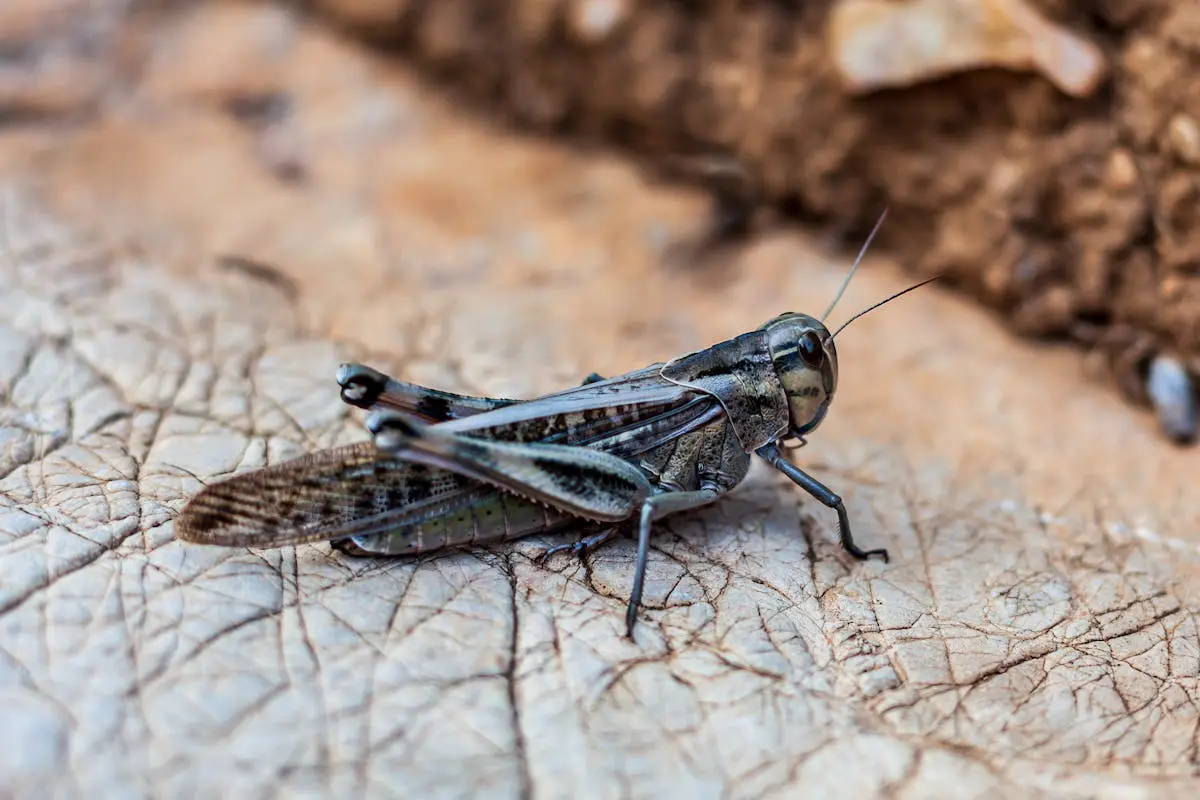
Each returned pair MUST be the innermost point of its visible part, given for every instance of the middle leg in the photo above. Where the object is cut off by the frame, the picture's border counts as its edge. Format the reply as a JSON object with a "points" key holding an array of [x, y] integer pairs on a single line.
{"points": [[656, 507]]}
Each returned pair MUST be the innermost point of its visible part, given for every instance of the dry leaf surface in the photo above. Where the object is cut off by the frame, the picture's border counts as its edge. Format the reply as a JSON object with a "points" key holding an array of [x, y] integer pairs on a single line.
{"points": [[173, 308]]}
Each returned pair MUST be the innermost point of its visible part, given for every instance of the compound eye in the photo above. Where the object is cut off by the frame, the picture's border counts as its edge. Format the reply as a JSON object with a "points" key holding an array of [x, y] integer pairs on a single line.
{"points": [[810, 349]]}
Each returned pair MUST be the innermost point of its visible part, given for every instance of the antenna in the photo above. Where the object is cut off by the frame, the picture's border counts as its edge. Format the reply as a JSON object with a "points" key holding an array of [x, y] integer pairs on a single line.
{"points": [[883, 302], [862, 252]]}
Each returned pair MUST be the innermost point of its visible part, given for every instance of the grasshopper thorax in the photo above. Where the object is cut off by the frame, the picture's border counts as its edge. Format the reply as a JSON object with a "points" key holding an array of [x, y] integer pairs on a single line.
{"points": [[805, 361]]}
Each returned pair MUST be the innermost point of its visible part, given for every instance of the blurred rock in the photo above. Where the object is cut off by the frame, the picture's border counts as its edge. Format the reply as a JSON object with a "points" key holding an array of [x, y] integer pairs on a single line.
{"points": [[884, 43]]}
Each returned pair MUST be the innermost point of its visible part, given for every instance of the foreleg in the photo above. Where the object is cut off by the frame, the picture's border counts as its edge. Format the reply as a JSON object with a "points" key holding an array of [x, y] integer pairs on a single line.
{"points": [[824, 495]]}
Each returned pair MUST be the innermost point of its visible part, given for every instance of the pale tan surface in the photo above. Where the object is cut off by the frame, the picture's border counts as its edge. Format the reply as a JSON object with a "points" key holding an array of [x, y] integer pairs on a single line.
{"points": [[1035, 633]]}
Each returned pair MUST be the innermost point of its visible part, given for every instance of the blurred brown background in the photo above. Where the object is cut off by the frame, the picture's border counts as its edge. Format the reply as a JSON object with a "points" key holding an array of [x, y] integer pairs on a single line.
{"points": [[1043, 155]]}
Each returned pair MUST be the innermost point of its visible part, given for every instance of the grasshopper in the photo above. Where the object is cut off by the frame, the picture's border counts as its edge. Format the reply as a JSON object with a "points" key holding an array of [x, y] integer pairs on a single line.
{"points": [[446, 470]]}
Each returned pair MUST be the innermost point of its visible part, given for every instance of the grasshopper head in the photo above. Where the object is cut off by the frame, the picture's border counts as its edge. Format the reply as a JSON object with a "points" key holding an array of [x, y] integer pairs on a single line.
{"points": [[805, 361]]}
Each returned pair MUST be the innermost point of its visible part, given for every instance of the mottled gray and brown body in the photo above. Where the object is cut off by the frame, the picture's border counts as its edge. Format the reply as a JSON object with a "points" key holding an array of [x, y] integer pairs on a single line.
{"points": [[400, 508], [483, 516], [445, 470]]}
